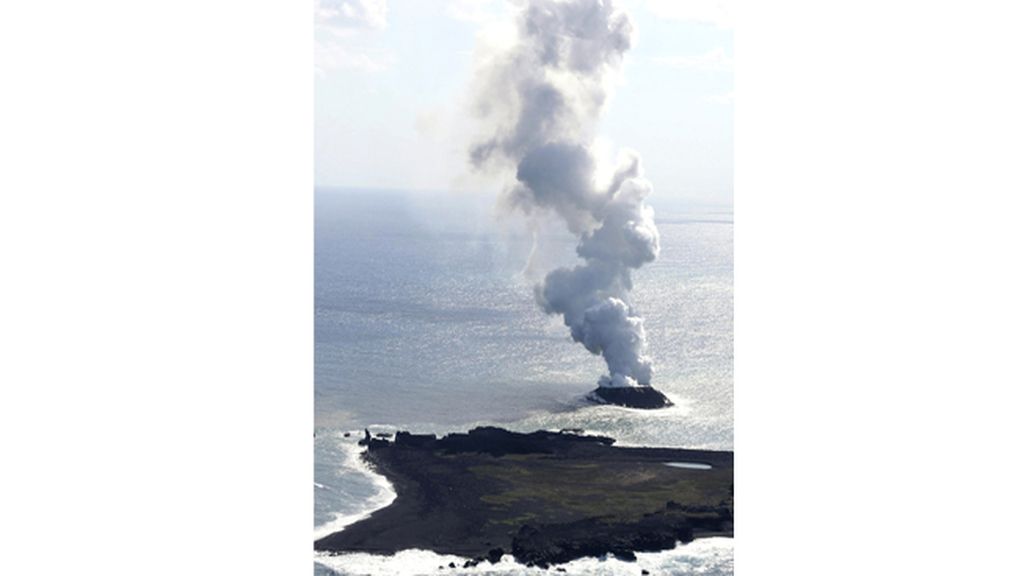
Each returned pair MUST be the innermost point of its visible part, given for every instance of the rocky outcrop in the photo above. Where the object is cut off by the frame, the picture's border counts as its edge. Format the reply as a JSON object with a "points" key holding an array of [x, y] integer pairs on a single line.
{"points": [[644, 397], [547, 544], [491, 440]]}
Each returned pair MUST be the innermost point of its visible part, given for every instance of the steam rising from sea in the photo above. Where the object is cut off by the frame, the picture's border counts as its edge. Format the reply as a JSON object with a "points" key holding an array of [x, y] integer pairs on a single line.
{"points": [[540, 101], [470, 348], [424, 317]]}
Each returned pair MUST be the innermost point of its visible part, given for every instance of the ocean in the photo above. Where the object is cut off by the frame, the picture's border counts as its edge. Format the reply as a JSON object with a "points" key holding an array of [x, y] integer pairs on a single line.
{"points": [[425, 321]]}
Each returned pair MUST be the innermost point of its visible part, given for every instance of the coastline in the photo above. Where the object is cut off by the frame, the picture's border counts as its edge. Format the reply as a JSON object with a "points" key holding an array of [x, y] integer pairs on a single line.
{"points": [[354, 461], [708, 556], [464, 495]]}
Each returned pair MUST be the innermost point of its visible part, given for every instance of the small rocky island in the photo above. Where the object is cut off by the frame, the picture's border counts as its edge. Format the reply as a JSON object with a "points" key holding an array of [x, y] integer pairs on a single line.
{"points": [[545, 497], [643, 397]]}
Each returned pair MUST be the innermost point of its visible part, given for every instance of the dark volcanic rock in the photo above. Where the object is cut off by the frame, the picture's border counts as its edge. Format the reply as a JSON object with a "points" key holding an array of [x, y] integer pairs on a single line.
{"points": [[632, 397], [415, 440], [499, 442], [546, 497], [547, 544], [372, 443]]}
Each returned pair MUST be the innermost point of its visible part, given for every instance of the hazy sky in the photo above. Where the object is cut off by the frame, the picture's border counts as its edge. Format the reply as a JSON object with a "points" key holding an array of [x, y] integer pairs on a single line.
{"points": [[394, 78]]}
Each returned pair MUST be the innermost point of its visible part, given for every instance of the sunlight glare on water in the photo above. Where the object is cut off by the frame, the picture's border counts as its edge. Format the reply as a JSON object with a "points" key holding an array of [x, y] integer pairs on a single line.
{"points": [[425, 321]]}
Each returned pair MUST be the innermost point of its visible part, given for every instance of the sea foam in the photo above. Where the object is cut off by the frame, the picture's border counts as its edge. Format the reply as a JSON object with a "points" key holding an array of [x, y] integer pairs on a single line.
{"points": [[706, 556], [351, 465]]}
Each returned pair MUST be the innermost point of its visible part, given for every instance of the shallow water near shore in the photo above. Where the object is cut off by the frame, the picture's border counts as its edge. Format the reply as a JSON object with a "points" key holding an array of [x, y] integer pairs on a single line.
{"points": [[425, 321], [346, 489], [707, 556]]}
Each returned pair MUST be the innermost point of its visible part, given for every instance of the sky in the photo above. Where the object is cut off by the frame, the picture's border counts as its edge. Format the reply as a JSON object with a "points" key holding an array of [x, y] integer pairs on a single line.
{"points": [[394, 80]]}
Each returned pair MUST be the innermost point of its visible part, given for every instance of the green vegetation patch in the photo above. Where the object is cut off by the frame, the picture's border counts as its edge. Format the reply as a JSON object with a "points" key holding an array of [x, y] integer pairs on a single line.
{"points": [[617, 489]]}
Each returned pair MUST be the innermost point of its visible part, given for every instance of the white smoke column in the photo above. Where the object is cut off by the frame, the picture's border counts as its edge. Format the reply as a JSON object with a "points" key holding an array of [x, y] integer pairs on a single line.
{"points": [[541, 99]]}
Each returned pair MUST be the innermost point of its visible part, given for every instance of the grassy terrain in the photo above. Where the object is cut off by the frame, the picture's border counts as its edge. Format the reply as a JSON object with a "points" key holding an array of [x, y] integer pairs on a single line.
{"points": [[542, 495], [557, 490]]}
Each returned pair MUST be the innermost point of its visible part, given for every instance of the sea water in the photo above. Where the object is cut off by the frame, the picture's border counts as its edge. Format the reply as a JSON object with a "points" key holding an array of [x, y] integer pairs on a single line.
{"points": [[425, 321]]}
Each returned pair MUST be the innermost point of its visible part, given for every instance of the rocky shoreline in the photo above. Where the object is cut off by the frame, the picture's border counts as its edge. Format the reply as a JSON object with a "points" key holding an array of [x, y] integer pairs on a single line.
{"points": [[544, 497]]}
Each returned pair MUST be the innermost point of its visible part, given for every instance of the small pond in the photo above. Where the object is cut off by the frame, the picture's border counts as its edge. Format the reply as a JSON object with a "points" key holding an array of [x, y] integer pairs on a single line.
{"points": [[690, 465]]}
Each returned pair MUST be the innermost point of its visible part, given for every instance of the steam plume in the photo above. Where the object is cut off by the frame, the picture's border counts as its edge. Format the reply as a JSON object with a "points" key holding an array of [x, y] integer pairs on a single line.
{"points": [[541, 99]]}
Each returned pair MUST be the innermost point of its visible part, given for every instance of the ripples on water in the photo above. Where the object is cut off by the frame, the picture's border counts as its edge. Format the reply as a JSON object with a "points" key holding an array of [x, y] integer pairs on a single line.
{"points": [[426, 321]]}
